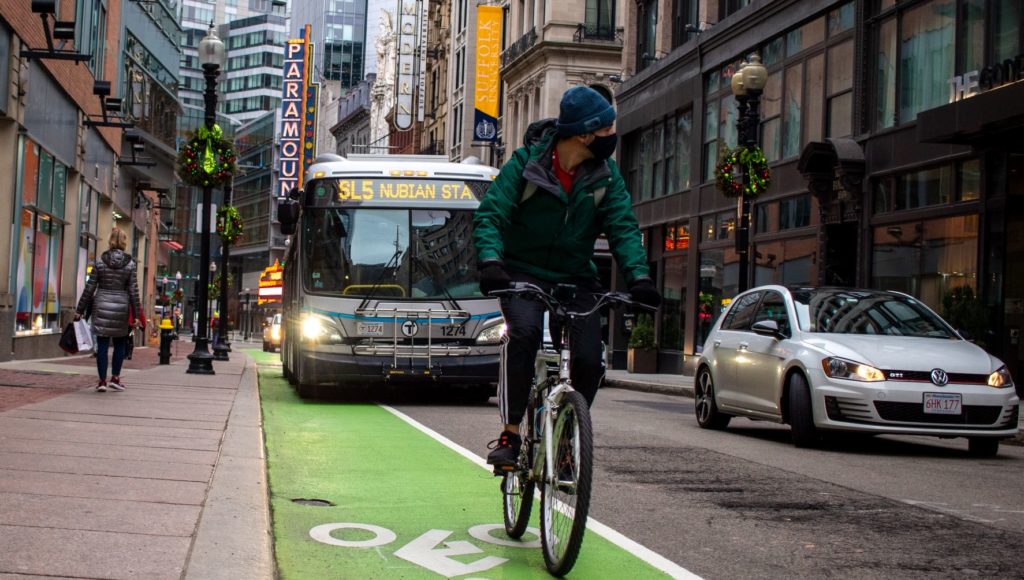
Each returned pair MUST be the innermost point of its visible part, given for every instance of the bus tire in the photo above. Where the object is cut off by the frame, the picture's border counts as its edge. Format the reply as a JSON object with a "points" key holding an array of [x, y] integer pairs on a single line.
{"points": [[305, 388]]}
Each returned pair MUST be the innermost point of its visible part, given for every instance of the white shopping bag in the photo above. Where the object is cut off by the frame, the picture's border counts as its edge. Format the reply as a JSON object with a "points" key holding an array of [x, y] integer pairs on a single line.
{"points": [[82, 335]]}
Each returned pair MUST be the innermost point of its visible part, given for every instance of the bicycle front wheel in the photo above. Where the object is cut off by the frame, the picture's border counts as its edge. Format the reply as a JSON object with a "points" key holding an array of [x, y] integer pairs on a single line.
{"points": [[565, 495], [517, 486]]}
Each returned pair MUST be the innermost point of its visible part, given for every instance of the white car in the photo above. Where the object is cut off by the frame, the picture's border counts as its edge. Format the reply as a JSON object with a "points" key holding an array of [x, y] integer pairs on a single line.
{"points": [[851, 360]]}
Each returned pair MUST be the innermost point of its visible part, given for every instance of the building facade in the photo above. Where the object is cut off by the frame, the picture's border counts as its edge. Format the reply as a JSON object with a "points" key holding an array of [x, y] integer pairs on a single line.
{"points": [[352, 130], [254, 71], [872, 184], [70, 140], [339, 32]]}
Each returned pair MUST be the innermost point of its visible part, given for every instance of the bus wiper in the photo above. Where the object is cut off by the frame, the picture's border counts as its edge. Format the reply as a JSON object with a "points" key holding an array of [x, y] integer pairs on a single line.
{"points": [[418, 261], [392, 265]]}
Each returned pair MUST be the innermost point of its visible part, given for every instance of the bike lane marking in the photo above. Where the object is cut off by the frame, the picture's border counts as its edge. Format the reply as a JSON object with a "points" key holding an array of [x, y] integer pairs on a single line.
{"points": [[385, 479], [640, 551]]}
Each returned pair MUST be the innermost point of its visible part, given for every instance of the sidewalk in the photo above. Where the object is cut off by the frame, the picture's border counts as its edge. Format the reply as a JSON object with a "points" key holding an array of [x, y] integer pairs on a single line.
{"points": [[665, 384], [165, 480]]}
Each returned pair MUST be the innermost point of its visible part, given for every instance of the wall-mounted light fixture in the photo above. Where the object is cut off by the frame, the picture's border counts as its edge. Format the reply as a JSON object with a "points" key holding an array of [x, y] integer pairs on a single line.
{"points": [[61, 30]]}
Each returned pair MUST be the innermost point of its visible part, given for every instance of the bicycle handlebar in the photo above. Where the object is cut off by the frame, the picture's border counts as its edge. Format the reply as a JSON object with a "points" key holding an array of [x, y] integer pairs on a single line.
{"points": [[603, 298]]}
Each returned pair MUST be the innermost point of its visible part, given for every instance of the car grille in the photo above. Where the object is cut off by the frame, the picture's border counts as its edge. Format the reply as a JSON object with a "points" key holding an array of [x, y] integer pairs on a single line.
{"points": [[914, 413], [926, 377]]}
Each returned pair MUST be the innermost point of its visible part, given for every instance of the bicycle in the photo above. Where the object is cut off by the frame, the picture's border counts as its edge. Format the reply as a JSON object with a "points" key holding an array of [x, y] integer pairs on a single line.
{"points": [[557, 449]]}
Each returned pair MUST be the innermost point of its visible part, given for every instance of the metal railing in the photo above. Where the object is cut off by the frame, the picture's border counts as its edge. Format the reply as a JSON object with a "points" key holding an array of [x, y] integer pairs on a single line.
{"points": [[519, 48], [597, 32]]}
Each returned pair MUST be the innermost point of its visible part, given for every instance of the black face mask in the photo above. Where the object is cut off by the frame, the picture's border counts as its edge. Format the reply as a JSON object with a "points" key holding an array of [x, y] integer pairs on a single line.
{"points": [[603, 147]]}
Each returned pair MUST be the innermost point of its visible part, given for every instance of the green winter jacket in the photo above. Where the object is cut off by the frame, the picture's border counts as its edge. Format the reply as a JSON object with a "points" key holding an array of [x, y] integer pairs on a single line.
{"points": [[549, 233]]}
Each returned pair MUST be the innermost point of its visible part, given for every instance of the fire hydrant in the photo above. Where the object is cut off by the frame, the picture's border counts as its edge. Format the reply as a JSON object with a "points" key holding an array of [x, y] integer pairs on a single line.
{"points": [[166, 336]]}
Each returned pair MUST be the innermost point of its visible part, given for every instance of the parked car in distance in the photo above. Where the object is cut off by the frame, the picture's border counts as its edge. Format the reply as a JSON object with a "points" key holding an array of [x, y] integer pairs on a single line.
{"points": [[847, 359], [272, 334]]}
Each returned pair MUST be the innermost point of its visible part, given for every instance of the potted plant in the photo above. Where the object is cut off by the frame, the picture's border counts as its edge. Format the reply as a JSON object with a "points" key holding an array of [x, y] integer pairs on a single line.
{"points": [[643, 351]]}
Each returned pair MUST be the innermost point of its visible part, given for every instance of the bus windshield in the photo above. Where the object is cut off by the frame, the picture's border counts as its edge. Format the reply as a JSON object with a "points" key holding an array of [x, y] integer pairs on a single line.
{"points": [[397, 253]]}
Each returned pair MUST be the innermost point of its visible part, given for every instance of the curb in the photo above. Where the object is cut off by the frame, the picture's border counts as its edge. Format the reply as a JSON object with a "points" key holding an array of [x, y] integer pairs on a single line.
{"points": [[676, 390]]}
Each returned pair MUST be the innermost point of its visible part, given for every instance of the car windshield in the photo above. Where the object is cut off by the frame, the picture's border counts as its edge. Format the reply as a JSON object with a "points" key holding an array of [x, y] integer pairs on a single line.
{"points": [[864, 312], [277, 319]]}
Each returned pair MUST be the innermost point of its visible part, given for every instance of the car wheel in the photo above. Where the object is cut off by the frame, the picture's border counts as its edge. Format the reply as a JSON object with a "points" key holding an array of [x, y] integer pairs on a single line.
{"points": [[708, 415], [982, 446], [801, 415]]}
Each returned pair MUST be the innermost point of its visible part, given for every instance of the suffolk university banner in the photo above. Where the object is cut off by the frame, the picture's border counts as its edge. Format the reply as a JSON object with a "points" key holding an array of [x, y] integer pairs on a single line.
{"points": [[488, 65], [298, 113]]}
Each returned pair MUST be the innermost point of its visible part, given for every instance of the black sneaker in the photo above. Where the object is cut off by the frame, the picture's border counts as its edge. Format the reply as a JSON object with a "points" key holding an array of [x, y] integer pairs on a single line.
{"points": [[505, 449]]}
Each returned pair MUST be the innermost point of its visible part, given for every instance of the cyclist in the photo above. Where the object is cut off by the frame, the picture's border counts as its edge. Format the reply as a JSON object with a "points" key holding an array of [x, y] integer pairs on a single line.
{"points": [[538, 224]]}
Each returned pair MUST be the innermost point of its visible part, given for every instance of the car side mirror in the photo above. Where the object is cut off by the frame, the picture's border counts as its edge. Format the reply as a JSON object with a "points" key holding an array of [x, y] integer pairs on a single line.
{"points": [[767, 328]]}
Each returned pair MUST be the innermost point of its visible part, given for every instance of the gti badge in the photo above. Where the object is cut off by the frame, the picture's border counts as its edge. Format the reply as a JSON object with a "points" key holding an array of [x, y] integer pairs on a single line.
{"points": [[939, 377]]}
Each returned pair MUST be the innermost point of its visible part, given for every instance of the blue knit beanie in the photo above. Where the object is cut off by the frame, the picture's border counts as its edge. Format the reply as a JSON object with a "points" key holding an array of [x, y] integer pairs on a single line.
{"points": [[583, 110]]}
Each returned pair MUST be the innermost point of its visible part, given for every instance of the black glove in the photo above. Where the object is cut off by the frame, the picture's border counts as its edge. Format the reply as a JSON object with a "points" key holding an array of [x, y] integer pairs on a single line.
{"points": [[642, 290], [494, 277]]}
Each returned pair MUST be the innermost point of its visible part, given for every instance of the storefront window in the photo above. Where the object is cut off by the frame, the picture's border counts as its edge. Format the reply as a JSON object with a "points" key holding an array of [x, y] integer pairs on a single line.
{"points": [[1007, 33], [787, 262], [942, 185], [39, 245], [972, 41], [719, 271], [795, 212], [927, 259], [673, 319], [969, 188]]}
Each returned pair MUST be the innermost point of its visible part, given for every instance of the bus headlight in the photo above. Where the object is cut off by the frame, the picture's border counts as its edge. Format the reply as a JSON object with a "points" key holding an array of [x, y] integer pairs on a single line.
{"points": [[318, 328], [491, 334]]}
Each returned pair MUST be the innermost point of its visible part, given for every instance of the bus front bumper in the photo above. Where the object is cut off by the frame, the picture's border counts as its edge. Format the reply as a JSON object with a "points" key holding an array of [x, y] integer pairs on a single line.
{"points": [[336, 368]]}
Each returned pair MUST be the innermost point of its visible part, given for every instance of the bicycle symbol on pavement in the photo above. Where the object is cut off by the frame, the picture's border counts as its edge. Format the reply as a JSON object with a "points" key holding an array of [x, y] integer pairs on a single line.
{"points": [[426, 550]]}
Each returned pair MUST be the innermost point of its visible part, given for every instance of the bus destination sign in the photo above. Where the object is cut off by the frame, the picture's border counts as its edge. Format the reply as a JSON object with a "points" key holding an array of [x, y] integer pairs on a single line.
{"points": [[392, 191]]}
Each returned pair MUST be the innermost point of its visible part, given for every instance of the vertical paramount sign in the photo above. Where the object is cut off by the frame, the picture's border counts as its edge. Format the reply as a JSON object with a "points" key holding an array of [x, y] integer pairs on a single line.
{"points": [[488, 65], [298, 113], [407, 65]]}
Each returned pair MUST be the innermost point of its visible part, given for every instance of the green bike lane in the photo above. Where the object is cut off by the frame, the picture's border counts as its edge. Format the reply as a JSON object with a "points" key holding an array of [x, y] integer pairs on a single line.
{"points": [[404, 502]]}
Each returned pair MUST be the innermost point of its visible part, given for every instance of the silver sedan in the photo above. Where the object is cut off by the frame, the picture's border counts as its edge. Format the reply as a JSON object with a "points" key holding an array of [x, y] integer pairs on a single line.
{"points": [[851, 360]]}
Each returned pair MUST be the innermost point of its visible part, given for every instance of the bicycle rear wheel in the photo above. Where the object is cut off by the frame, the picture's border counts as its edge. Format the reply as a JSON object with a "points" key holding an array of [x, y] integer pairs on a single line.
{"points": [[565, 496], [517, 486]]}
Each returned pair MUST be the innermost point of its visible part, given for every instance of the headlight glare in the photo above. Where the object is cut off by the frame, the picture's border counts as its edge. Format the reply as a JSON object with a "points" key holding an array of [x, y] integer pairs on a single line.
{"points": [[275, 332], [312, 328], [837, 368], [491, 334], [1001, 378]]}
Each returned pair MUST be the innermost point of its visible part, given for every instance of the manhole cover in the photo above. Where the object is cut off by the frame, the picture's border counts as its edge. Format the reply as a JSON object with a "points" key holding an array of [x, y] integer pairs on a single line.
{"points": [[313, 502]]}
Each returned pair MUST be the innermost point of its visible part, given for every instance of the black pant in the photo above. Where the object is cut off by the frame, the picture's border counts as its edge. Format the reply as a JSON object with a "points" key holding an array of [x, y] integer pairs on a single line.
{"points": [[524, 318], [102, 346]]}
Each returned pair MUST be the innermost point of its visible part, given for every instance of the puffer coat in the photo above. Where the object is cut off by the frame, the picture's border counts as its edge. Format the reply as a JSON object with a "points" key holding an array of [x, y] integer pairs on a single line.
{"points": [[111, 289]]}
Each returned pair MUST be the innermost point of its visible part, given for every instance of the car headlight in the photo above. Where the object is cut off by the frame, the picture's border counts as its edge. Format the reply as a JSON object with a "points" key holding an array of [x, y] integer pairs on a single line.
{"points": [[1000, 378], [838, 368], [275, 333], [491, 334], [318, 328]]}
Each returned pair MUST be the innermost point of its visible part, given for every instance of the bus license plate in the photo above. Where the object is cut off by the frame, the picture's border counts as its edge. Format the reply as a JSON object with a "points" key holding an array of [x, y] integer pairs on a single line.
{"points": [[943, 403], [370, 329]]}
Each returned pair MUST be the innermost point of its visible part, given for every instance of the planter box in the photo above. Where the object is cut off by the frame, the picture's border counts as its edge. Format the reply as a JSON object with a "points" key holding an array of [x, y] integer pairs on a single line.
{"points": [[642, 361]]}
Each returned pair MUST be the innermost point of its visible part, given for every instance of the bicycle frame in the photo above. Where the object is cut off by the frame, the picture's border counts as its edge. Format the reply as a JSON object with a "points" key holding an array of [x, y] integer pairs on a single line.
{"points": [[550, 391]]}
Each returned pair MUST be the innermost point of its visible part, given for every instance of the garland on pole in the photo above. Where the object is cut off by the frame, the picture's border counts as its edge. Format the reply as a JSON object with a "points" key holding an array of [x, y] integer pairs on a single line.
{"points": [[207, 159], [734, 163], [229, 224]]}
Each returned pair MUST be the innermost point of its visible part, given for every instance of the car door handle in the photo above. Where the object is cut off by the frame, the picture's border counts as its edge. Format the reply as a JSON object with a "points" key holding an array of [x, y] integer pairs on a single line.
{"points": [[718, 343], [744, 345]]}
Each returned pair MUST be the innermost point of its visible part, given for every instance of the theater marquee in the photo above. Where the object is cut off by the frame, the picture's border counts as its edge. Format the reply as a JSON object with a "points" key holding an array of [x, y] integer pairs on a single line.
{"points": [[298, 113]]}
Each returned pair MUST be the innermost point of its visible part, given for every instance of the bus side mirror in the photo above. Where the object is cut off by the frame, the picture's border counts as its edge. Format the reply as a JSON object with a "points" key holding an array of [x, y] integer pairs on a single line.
{"points": [[288, 216]]}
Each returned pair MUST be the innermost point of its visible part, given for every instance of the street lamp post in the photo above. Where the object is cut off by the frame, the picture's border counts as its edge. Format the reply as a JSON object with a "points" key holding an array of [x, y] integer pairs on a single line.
{"points": [[211, 57], [181, 307], [747, 84], [221, 348]]}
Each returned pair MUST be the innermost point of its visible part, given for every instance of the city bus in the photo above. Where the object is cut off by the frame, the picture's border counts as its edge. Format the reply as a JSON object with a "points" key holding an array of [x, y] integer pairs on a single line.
{"points": [[380, 279]]}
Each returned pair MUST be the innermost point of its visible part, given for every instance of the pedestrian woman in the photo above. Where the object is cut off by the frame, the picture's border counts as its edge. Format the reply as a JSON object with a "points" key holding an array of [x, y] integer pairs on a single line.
{"points": [[111, 291]]}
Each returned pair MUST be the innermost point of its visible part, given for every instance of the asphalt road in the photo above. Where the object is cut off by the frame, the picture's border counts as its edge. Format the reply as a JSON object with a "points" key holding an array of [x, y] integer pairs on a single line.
{"points": [[745, 503]]}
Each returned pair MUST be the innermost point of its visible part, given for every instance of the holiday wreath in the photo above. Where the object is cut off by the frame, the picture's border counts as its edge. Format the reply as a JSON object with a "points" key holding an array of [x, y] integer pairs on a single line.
{"points": [[229, 224], [736, 162], [207, 159]]}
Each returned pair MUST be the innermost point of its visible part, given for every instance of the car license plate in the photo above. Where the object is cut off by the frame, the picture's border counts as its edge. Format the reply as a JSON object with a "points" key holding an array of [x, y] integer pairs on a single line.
{"points": [[370, 329], [943, 403]]}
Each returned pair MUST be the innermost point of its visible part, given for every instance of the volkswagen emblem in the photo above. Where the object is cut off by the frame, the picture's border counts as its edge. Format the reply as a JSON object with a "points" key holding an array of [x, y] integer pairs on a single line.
{"points": [[410, 328], [939, 377]]}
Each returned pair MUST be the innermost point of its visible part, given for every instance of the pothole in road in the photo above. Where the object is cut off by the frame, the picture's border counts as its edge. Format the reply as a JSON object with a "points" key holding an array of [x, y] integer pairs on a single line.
{"points": [[313, 502]]}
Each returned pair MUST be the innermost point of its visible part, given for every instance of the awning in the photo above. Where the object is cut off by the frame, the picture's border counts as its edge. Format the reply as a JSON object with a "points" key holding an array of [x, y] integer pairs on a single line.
{"points": [[172, 245], [982, 118]]}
